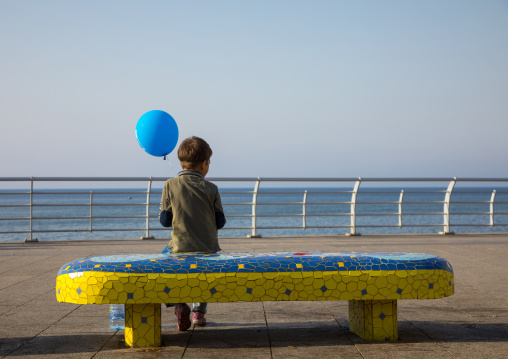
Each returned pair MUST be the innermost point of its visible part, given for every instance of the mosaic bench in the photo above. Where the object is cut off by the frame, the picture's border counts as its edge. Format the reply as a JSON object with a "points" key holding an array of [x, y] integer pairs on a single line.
{"points": [[371, 282]]}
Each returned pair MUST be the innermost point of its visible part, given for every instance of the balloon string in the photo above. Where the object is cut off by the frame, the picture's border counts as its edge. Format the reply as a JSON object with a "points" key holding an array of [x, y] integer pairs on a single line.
{"points": [[170, 165]]}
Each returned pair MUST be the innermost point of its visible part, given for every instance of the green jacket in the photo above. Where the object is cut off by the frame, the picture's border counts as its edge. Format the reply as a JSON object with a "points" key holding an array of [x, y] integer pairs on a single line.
{"points": [[192, 206]]}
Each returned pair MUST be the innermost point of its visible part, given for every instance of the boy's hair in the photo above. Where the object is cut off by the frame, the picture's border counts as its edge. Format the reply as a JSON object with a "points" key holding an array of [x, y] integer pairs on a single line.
{"points": [[193, 151]]}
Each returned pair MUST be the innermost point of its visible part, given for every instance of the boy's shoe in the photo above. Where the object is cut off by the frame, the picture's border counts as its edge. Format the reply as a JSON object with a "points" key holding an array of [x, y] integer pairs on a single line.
{"points": [[198, 318], [182, 312]]}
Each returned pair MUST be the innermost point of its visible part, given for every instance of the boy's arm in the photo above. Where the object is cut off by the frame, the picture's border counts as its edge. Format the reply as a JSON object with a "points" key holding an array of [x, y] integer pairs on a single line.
{"points": [[166, 218], [165, 210], [220, 219]]}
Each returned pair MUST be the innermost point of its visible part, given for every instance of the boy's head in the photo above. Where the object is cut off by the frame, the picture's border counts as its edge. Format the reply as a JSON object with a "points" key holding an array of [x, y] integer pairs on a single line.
{"points": [[193, 153]]}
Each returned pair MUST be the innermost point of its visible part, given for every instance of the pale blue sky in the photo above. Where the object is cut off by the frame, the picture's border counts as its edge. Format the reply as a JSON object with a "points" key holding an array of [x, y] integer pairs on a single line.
{"points": [[278, 88]]}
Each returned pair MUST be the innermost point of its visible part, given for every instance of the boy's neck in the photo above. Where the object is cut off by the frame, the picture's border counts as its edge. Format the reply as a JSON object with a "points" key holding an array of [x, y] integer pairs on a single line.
{"points": [[202, 168], [193, 169]]}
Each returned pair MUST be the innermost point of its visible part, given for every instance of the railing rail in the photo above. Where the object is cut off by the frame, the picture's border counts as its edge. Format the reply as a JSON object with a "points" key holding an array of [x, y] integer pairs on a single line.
{"points": [[257, 201]]}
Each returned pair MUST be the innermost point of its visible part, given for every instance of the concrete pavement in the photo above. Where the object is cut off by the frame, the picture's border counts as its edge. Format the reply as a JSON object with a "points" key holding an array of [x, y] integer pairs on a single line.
{"points": [[473, 323]]}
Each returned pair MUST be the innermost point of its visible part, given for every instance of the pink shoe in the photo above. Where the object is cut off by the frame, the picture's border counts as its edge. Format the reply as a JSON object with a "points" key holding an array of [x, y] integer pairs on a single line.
{"points": [[182, 312], [198, 318]]}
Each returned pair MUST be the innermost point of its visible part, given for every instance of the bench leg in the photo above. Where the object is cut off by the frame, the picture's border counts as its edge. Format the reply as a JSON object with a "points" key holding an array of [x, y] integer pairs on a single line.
{"points": [[374, 319], [143, 325]]}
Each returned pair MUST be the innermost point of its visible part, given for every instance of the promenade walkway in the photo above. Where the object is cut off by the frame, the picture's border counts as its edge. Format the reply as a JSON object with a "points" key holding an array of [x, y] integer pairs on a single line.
{"points": [[473, 323]]}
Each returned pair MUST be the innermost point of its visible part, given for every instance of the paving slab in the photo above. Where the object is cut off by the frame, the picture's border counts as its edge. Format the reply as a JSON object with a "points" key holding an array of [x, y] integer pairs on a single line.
{"points": [[62, 346], [305, 350], [8, 280], [285, 312], [213, 341], [21, 264], [413, 352], [80, 325], [476, 349], [98, 311], [6, 308], [232, 314], [27, 314], [9, 345], [315, 331], [228, 353]]}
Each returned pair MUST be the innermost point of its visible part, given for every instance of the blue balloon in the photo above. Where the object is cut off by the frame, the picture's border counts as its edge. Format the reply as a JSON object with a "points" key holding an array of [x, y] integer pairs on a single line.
{"points": [[157, 133]]}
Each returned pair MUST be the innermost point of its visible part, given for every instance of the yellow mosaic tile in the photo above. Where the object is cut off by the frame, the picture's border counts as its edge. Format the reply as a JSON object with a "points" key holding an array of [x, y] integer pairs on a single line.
{"points": [[123, 288], [374, 319], [143, 325]]}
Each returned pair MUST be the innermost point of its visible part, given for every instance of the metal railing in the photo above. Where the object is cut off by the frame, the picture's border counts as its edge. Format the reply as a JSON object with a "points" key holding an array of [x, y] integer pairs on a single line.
{"points": [[354, 214]]}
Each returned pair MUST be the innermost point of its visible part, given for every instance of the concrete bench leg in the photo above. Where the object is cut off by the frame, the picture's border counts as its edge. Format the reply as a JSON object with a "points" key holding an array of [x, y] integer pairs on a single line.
{"points": [[143, 325], [374, 319]]}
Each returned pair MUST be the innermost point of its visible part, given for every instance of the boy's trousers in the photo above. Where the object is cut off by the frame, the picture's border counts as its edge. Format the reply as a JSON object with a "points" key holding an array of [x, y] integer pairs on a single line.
{"points": [[196, 307]]}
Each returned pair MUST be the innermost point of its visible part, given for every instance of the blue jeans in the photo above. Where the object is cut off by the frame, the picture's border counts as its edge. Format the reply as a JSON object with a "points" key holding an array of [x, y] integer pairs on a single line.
{"points": [[196, 307]]}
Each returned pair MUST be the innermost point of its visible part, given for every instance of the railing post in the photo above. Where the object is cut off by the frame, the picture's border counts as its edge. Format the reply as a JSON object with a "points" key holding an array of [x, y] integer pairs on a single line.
{"points": [[148, 196], [492, 208], [446, 208], [304, 209], [254, 205], [31, 239], [353, 209], [400, 207], [91, 210]]}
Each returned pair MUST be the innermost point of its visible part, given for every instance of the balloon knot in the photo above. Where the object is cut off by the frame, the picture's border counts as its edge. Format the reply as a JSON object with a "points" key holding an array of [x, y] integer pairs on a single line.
{"points": [[164, 158]]}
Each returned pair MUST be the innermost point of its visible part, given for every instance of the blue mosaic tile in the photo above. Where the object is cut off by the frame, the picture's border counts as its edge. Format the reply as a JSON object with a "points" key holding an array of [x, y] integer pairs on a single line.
{"points": [[364, 291], [324, 289], [79, 291], [144, 319], [249, 290], [431, 285], [167, 290], [288, 292], [130, 295], [399, 291], [213, 291], [256, 262], [382, 316]]}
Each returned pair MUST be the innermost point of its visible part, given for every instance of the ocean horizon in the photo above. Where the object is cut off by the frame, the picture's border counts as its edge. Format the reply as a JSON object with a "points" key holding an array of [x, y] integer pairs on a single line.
{"points": [[469, 210]]}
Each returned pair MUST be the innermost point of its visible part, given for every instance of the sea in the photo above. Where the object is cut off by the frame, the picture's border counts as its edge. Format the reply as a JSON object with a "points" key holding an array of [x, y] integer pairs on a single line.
{"points": [[64, 214]]}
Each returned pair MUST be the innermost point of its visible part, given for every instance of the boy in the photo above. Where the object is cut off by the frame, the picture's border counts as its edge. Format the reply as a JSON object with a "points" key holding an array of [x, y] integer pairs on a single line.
{"points": [[192, 206]]}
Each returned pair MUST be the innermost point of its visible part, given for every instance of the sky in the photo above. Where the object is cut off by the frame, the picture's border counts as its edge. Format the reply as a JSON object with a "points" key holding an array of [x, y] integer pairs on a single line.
{"points": [[277, 88]]}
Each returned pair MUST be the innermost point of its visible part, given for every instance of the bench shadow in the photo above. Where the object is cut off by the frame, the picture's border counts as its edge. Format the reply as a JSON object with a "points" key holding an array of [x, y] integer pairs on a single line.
{"points": [[315, 333], [234, 335]]}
